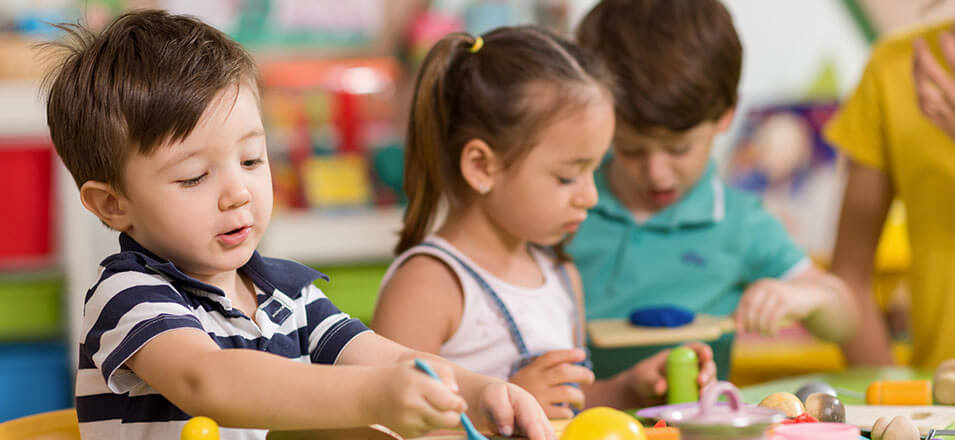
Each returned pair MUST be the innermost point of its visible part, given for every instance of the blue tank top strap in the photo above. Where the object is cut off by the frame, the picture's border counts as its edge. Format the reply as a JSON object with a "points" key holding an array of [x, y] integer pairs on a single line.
{"points": [[508, 318]]}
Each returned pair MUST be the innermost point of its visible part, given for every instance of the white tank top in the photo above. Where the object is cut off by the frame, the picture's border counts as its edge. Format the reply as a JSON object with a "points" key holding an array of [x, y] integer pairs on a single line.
{"points": [[482, 343]]}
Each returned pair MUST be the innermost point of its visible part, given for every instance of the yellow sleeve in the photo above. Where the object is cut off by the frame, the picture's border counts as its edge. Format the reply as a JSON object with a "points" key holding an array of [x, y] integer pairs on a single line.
{"points": [[858, 129]]}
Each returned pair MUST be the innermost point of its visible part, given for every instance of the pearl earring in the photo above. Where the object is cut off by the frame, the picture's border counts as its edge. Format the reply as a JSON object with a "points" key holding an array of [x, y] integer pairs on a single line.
{"points": [[484, 188]]}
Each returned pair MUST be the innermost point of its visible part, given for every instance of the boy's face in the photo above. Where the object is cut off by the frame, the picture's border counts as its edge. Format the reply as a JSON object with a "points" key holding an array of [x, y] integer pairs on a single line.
{"points": [[205, 202], [655, 170]]}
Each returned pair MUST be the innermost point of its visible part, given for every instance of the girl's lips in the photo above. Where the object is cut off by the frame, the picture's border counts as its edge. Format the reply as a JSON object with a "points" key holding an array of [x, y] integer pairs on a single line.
{"points": [[235, 237], [572, 227]]}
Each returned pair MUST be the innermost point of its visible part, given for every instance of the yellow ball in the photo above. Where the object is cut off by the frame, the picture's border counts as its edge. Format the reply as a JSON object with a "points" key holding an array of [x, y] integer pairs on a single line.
{"points": [[603, 423], [200, 428]]}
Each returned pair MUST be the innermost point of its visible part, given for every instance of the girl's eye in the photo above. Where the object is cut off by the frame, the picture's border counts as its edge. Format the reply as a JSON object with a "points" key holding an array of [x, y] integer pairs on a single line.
{"points": [[193, 181], [252, 162], [565, 180]]}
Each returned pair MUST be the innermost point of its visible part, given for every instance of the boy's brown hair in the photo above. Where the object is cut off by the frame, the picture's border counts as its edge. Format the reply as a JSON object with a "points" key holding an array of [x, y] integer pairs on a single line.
{"points": [[142, 82], [502, 88], [677, 62]]}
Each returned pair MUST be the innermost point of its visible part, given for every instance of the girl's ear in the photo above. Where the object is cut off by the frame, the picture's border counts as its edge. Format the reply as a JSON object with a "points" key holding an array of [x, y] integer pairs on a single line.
{"points": [[105, 202], [479, 166]]}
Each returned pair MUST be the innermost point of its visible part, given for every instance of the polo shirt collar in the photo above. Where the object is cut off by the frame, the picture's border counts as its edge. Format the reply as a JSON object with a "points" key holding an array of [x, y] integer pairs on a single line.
{"points": [[268, 274], [704, 204]]}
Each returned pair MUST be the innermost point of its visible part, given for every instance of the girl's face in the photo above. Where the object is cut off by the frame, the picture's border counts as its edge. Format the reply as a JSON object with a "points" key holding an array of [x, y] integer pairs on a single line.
{"points": [[546, 195]]}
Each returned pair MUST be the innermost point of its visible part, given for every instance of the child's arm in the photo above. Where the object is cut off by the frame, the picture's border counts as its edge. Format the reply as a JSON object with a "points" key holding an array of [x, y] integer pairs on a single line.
{"points": [[253, 389], [820, 300], [865, 205], [421, 305], [491, 402], [645, 384]]}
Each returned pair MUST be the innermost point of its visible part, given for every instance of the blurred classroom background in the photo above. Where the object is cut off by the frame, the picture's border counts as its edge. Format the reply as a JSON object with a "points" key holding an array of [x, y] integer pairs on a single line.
{"points": [[337, 77]]}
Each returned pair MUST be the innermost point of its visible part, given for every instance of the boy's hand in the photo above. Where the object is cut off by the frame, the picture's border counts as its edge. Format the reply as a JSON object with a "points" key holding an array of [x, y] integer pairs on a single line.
{"points": [[548, 377], [769, 304], [411, 403], [648, 379], [512, 410]]}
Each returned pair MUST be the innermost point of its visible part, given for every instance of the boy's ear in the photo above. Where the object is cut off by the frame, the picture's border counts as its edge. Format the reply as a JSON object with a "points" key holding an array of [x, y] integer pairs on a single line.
{"points": [[105, 202], [479, 165], [726, 120]]}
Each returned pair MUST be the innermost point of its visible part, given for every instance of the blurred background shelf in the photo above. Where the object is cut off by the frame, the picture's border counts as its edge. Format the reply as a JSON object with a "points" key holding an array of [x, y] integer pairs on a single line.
{"points": [[361, 235]]}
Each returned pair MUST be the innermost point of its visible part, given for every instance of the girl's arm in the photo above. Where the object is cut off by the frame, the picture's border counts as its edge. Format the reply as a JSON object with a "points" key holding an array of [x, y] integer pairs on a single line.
{"points": [[420, 307]]}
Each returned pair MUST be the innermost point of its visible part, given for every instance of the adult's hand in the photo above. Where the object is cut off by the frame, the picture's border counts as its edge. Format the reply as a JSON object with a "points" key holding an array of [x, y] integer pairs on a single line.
{"points": [[934, 86]]}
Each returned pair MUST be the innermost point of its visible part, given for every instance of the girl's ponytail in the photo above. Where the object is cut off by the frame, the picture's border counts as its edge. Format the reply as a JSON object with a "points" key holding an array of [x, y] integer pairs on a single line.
{"points": [[424, 176]]}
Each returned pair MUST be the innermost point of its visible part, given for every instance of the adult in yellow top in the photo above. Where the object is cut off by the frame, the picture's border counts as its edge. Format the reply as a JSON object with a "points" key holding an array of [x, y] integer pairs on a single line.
{"points": [[898, 130]]}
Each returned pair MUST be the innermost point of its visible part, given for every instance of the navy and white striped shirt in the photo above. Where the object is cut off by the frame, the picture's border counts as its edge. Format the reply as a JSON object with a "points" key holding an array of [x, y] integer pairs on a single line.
{"points": [[139, 295]]}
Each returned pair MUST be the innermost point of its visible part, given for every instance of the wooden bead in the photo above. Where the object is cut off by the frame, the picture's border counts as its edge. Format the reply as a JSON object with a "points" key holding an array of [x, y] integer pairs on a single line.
{"points": [[786, 403], [825, 408]]}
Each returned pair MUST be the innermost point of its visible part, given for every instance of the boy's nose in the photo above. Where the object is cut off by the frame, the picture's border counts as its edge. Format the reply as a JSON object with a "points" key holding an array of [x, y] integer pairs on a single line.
{"points": [[234, 193], [658, 169]]}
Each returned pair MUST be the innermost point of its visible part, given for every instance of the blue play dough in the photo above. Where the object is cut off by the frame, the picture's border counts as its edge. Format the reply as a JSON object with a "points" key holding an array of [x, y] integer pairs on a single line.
{"points": [[662, 316]]}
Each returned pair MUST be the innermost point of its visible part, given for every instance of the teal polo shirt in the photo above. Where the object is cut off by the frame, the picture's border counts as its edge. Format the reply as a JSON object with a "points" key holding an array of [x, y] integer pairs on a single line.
{"points": [[699, 253]]}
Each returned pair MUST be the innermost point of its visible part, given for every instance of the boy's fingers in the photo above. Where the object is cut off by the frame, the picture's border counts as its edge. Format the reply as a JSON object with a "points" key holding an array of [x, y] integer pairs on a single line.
{"points": [[442, 419], [703, 351], [707, 373], [441, 399], [500, 413], [533, 423], [446, 373]]}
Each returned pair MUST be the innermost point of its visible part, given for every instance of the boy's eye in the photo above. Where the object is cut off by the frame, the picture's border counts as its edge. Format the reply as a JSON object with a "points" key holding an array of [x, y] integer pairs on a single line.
{"points": [[252, 162], [193, 181], [565, 180], [679, 151]]}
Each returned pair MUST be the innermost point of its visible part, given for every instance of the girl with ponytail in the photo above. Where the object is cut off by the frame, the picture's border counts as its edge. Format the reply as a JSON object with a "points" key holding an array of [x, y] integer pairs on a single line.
{"points": [[505, 132]]}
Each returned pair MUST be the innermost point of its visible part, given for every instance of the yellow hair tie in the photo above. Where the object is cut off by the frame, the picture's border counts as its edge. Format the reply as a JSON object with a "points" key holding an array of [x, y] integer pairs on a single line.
{"points": [[478, 44]]}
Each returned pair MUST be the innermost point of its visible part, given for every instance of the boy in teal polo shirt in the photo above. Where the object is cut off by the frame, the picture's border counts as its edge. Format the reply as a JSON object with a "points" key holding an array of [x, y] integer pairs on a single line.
{"points": [[666, 230]]}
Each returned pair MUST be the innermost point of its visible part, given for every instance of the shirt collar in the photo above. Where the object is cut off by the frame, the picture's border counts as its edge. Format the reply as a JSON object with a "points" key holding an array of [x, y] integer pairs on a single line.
{"points": [[269, 274], [704, 204]]}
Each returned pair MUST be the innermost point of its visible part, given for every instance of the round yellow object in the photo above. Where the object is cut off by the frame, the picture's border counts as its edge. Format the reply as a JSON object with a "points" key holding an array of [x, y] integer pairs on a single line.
{"points": [[200, 428], [603, 423]]}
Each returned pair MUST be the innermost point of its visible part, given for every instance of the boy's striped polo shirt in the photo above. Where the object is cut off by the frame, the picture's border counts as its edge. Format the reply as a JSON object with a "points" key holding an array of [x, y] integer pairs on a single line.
{"points": [[139, 295]]}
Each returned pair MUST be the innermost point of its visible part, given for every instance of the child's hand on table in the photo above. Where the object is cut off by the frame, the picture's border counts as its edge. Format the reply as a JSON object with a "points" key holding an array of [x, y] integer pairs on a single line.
{"points": [[511, 410], [768, 305], [548, 378], [648, 377], [411, 403]]}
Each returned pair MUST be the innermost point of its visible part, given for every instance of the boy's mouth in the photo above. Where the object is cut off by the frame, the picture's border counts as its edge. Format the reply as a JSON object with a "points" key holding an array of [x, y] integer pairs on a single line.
{"points": [[664, 197], [235, 236]]}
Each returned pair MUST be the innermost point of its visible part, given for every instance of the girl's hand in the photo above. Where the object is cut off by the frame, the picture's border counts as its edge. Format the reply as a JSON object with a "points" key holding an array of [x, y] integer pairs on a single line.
{"points": [[548, 379], [769, 304], [512, 410], [647, 379], [411, 403]]}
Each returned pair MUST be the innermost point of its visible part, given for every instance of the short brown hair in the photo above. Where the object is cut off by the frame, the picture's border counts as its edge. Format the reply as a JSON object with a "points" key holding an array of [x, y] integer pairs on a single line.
{"points": [[488, 89], [677, 62], [142, 82]]}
